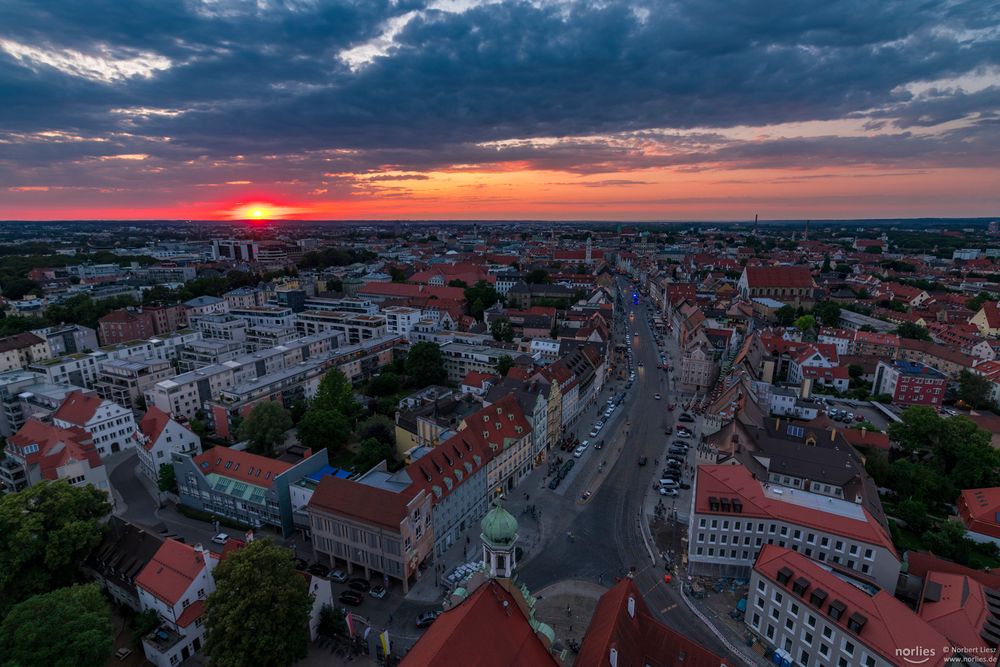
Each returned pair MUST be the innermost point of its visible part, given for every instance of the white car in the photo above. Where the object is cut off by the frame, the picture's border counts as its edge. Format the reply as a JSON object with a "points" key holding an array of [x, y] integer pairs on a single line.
{"points": [[594, 431], [683, 434], [578, 452], [668, 484], [221, 538], [664, 491]]}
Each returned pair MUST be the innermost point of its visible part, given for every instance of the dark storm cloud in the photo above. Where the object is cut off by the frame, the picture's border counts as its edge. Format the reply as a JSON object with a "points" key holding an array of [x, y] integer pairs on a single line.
{"points": [[268, 81]]}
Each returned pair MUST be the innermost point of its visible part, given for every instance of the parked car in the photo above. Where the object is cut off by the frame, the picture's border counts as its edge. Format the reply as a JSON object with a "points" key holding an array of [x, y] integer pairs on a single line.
{"points": [[377, 592], [338, 576], [683, 434], [600, 443], [594, 431], [554, 482], [360, 585], [643, 460], [425, 619], [668, 484], [677, 450], [351, 598], [685, 418], [123, 653], [664, 491], [685, 485], [657, 396], [578, 452], [221, 538], [673, 463], [319, 570]]}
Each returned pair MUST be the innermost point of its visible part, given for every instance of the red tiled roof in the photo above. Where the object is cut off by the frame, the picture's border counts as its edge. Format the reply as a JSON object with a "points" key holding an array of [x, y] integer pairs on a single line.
{"points": [[960, 610], [56, 446], [476, 378], [78, 408], [779, 276], [152, 425], [728, 481], [19, 341], [979, 510], [638, 638], [922, 563], [193, 611], [865, 438], [890, 624], [992, 312], [487, 629], [171, 571], [244, 466], [363, 502], [406, 290]]}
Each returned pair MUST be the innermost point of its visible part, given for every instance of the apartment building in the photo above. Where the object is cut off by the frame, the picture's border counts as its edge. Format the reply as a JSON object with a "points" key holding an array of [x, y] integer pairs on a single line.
{"points": [[21, 350], [40, 451], [734, 515], [111, 426], [68, 339], [371, 524], [910, 383], [175, 585], [814, 615], [123, 325], [461, 359], [356, 328], [222, 326], [82, 369], [400, 320], [793, 285], [244, 487], [265, 316], [124, 381], [159, 437], [203, 353]]}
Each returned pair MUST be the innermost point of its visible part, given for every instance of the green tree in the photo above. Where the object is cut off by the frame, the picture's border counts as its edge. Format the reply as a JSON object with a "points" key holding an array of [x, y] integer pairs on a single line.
{"points": [[976, 302], [265, 427], [461, 284], [914, 512], [385, 383], [398, 275], [502, 330], [828, 313], [913, 331], [855, 371], [874, 250], [805, 323], [826, 264], [378, 427], [481, 296], [537, 276], [19, 288], [425, 364], [45, 533], [259, 612], [331, 621], [948, 541], [166, 478], [142, 624], [335, 392], [974, 389], [322, 428], [371, 453], [69, 627], [785, 315], [504, 365]]}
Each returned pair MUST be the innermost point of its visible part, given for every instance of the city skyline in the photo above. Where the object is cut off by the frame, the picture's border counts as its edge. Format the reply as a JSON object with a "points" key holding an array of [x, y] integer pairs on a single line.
{"points": [[474, 110]]}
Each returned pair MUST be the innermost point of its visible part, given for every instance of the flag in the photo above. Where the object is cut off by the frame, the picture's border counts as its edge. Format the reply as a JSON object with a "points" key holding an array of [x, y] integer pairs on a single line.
{"points": [[384, 637], [350, 623]]}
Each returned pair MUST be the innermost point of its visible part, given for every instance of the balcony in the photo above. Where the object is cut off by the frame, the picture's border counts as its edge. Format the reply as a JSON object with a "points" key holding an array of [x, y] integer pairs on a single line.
{"points": [[163, 639]]}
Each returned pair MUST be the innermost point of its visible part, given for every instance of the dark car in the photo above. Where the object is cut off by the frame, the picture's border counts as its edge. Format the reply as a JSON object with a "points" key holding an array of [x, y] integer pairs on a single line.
{"points": [[685, 485], [425, 619], [554, 483], [685, 418], [675, 458], [673, 463], [351, 598], [679, 443], [360, 585], [643, 460], [319, 570], [677, 450], [600, 443]]}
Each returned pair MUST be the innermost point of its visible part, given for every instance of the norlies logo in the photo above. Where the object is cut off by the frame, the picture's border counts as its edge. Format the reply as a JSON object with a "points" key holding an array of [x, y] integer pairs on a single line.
{"points": [[917, 655]]}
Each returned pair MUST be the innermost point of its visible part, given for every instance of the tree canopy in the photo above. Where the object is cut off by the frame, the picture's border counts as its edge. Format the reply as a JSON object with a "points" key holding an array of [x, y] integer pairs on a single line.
{"points": [[913, 331], [265, 427], [974, 389], [259, 612], [45, 533], [425, 364], [502, 329], [504, 365], [828, 313], [479, 297], [69, 627]]}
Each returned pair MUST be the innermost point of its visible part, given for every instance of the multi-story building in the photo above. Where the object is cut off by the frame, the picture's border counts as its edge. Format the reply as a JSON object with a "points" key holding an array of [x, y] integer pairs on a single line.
{"points": [[125, 381], [461, 359], [222, 326], [123, 325], [265, 316], [68, 339], [110, 425], [201, 306], [793, 285], [115, 563], [356, 328], [81, 369], [40, 451], [21, 350], [372, 524], [167, 318], [264, 337], [400, 320], [12, 385], [734, 514], [160, 436], [910, 383], [203, 353], [812, 614], [175, 585], [235, 250], [245, 487], [245, 297]]}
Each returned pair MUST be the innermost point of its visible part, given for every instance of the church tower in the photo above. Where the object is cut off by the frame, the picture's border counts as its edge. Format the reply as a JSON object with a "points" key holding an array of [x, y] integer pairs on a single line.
{"points": [[499, 537]]}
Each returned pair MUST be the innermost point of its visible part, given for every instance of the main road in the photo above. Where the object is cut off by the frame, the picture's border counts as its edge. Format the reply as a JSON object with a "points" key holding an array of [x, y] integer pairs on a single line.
{"points": [[607, 538]]}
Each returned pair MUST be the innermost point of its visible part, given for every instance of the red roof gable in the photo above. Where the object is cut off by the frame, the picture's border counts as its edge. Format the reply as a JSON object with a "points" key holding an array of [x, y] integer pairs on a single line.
{"points": [[487, 629], [406, 290], [980, 510], [78, 408], [244, 466], [889, 623], [959, 611], [779, 276], [860, 437], [729, 481], [56, 446], [172, 570], [152, 425], [638, 637], [364, 502]]}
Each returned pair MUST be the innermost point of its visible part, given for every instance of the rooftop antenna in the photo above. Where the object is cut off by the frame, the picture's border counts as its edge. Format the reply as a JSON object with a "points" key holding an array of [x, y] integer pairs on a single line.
{"points": [[755, 224]]}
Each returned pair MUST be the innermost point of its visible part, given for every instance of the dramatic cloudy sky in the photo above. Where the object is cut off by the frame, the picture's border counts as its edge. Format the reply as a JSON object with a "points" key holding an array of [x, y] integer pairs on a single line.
{"points": [[670, 109]]}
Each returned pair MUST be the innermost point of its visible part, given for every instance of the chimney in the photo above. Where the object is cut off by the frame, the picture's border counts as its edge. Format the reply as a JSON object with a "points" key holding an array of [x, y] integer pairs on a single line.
{"points": [[833, 435]]}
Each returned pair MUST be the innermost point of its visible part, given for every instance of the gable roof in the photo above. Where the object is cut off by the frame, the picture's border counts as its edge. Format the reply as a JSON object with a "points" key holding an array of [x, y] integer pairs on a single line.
{"points": [[637, 636], [242, 466], [980, 510], [56, 446], [487, 629], [78, 408], [171, 571], [779, 276], [152, 425], [363, 502], [19, 341]]}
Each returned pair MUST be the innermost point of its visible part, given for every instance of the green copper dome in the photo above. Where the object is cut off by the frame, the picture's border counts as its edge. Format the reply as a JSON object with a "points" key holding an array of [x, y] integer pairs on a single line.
{"points": [[499, 526]]}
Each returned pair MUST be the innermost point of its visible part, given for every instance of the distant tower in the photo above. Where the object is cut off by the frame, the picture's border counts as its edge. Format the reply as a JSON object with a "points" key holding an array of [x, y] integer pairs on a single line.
{"points": [[805, 234], [499, 537], [755, 224], [590, 250]]}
